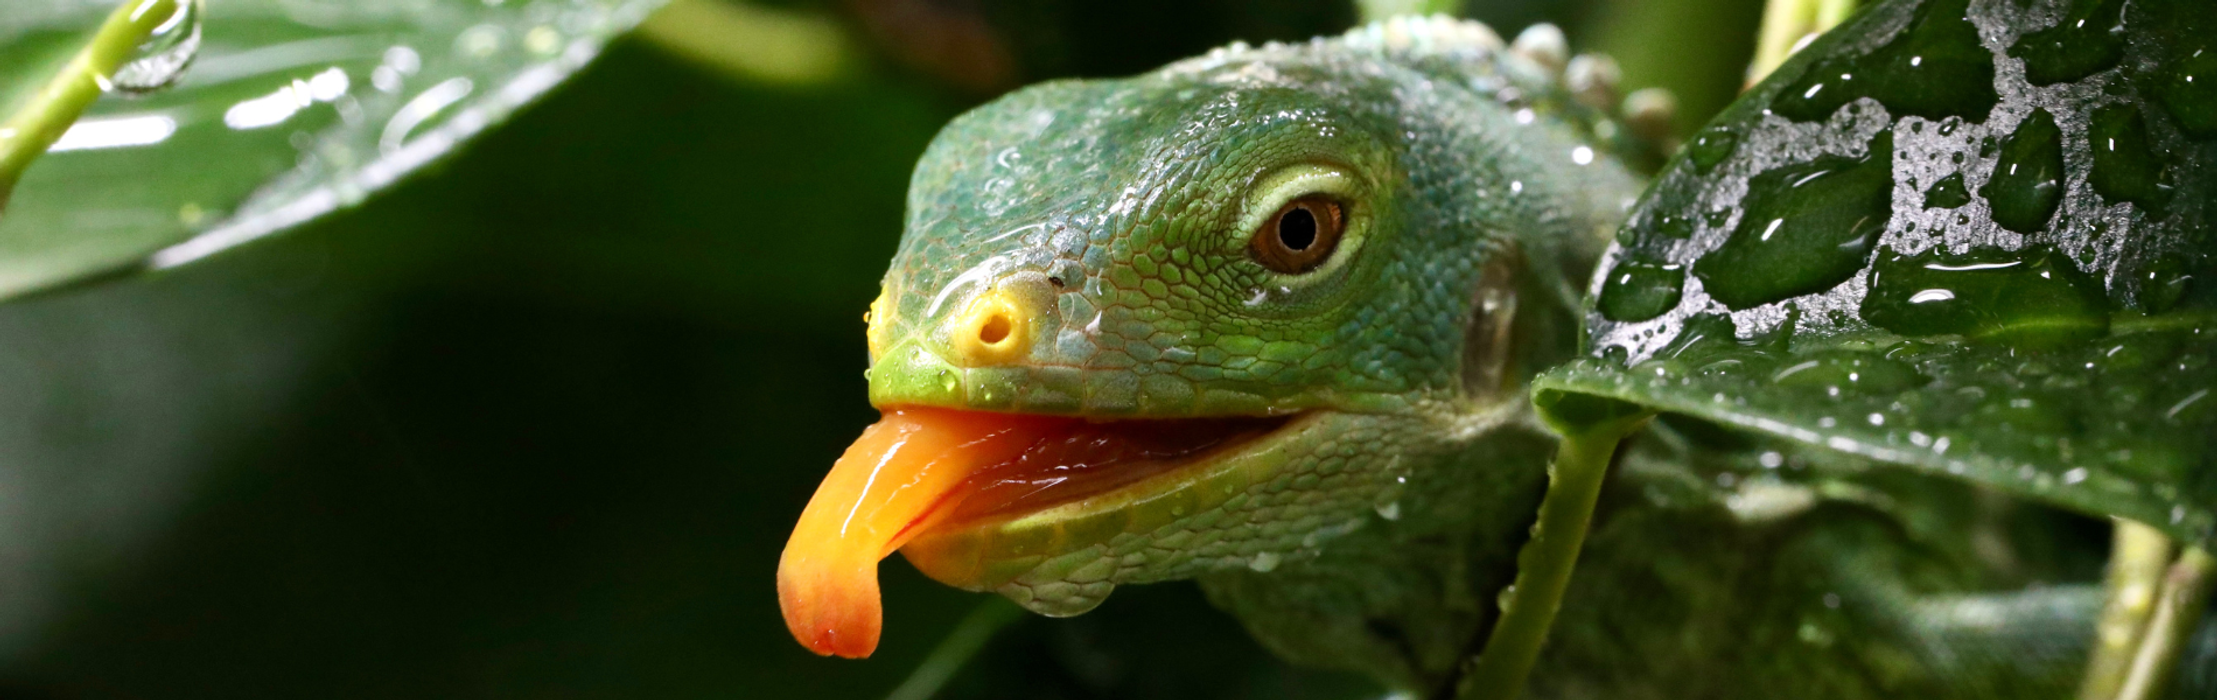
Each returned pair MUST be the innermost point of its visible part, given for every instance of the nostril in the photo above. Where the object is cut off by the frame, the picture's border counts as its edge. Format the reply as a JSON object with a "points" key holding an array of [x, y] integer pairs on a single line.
{"points": [[994, 330]]}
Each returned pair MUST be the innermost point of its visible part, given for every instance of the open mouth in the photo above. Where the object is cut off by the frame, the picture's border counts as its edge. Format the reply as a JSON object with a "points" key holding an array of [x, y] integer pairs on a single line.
{"points": [[919, 470]]}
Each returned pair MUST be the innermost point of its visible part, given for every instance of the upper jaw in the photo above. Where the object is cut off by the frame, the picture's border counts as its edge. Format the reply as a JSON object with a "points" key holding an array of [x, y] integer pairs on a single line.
{"points": [[914, 373]]}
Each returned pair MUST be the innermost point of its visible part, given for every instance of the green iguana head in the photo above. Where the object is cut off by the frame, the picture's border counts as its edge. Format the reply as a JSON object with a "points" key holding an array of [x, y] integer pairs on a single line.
{"points": [[1208, 317]]}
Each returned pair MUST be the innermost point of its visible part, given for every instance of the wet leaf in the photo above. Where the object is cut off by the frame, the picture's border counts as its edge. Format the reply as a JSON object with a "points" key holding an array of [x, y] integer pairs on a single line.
{"points": [[290, 110], [2023, 295]]}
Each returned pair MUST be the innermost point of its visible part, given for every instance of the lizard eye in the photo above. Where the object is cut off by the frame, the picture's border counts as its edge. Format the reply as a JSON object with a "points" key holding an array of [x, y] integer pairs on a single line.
{"points": [[1300, 236]]}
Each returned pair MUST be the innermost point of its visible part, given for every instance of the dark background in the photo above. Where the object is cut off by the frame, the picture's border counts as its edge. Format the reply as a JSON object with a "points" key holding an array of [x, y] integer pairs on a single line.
{"points": [[536, 424]]}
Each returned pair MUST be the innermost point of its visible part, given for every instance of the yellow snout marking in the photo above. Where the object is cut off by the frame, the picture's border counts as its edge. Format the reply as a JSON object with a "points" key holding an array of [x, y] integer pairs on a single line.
{"points": [[994, 329], [880, 318]]}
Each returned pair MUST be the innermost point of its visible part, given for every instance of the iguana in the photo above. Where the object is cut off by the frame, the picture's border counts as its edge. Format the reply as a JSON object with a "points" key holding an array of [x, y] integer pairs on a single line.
{"points": [[1266, 318]]}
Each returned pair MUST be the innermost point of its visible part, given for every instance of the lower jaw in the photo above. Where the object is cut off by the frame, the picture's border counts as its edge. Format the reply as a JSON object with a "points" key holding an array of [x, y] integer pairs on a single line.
{"points": [[1077, 548]]}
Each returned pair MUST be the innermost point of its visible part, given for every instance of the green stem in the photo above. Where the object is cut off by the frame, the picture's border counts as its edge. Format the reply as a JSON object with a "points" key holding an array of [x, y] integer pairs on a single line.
{"points": [[1375, 10], [2138, 556], [1830, 13], [966, 641], [42, 120], [1786, 23], [753, 43], [1545, 564], [2177, 613]]}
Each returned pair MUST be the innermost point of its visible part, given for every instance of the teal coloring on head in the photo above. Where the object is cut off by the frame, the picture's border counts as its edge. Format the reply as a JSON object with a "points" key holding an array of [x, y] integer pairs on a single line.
{"points": [[2125, 169], [1638, 290], [1934, 69], [2028, 178], [1806, 228], [2032, 298], [1948, 193], [2087, 40]]}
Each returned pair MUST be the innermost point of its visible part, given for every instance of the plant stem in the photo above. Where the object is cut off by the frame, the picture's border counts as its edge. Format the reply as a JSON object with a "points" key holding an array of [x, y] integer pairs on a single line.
{"points": [[1545, 564], [2177, 614], [964, 642], [48, 114], [2138, 556], [1374, 10], [753, 43], [1787, 24]]}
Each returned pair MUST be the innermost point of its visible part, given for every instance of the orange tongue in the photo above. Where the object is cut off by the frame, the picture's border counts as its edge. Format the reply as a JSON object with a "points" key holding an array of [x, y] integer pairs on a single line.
{"points": [[894, 482]]}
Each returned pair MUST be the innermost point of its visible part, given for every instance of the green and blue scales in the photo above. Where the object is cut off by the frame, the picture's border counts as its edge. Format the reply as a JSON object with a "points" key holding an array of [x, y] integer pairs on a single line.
{"points": [[1940, 281]]}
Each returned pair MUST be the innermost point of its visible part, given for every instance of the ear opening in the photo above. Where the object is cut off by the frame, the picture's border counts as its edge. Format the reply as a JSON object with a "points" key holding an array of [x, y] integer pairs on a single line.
{"points": [[1489, 332]]}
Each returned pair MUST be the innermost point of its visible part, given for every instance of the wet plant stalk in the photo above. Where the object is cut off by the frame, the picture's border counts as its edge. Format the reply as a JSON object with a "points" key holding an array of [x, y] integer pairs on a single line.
{"points": [[968, 638], [1377, 10], [1787, 24], [2177, 613], [49, 112], [2139, 554], [1545, 564]]}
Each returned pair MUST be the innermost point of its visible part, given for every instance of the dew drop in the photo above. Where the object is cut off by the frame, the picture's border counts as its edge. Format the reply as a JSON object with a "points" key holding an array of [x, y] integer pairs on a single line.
{"points": [[2034, 298], [1390, 510], [2189, 90], [2163, 283], [1717, 217], [1936, 68], [1807, 228], [1638, 290], [1711, 147], [1851, 372], [1264, 562], [161, 60], [2125, 170], [2084, 42], [1948, 193], [2028, 179]]}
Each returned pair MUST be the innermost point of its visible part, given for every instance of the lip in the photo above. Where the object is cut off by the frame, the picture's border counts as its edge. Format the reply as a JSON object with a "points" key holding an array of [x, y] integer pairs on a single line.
{"points": [[1095, 461], [988, 542]]}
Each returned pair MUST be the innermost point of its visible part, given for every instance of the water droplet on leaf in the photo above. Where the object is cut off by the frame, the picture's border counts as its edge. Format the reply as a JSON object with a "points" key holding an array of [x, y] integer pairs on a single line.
{"points": [[2189, 89], [2084, 42], [1638, 290], [1807, 228], [1711, 147], [2163, 284], [1948, 193], [2028, 180], [2032, 298], [1851, 372], [1934, 69], [2125, 170]]}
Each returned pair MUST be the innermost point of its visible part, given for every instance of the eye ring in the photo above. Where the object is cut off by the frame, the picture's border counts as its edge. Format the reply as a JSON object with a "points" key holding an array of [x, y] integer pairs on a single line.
{"points": [[1301, 235]]}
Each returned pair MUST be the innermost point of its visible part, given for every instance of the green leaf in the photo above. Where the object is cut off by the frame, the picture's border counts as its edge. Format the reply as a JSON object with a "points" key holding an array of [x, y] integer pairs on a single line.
{"points": [[2046, 330], [291, 110]]}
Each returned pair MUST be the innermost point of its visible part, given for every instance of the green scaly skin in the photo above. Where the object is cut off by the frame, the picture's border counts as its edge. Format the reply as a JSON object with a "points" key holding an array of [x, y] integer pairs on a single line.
{"points": [[1376, 530]]}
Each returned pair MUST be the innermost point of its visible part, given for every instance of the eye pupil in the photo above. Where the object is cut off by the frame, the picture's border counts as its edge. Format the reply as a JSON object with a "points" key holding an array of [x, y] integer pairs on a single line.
{"points": [[1300, 236], [1297, 228]]}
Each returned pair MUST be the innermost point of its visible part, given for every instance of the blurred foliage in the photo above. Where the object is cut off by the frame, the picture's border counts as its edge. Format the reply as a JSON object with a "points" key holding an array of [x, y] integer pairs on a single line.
{"points": [[537, 422], [290, 109]]}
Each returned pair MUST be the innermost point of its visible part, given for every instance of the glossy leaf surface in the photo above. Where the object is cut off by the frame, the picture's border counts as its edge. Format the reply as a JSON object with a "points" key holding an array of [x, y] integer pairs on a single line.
{"points": [[1972, 239], [291, 109]]}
